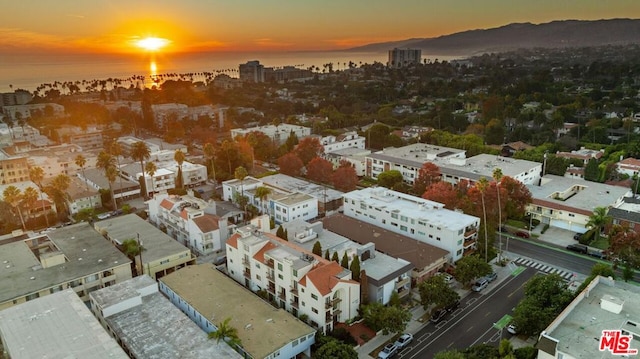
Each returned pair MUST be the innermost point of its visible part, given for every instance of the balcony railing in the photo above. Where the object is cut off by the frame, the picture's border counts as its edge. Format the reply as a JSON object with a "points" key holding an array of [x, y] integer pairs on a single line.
{"points": [[246, 262], [247, 274], [282, 295], [294, 290], [330, 303], [469, 242], [295, 304], [470, 232], [271, 289], [270, 263], [271, 277], [403, 282]]}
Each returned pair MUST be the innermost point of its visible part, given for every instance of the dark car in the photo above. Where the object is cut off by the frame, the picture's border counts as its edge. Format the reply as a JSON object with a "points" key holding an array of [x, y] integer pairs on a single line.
{"points": [[522, 234], [453, 306], [578, 248], [577, 236], [438, 315]]}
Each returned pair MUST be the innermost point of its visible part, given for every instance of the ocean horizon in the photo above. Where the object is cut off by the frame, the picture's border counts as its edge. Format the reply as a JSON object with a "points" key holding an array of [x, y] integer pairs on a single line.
{"points": [[26, 71]]}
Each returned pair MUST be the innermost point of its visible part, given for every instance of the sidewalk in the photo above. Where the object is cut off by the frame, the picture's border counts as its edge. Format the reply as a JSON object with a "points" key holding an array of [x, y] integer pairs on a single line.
{"points": [[418, 312]]}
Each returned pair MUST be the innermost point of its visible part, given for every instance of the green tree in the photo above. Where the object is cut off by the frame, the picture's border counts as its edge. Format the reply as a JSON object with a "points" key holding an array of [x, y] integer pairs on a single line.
{"points": [[334, 348], [505, 348], [497, 176], [450, 354], [280, 232], [13, 196], [482, 185], [389, 319], [471, 267], [150, 168], [179, 157], [598, 220], [29, 199], [335, 257], [317, 248], [327, 256], [139, 152], [263, 193], [116, 151], [592, 171], [227, 333], [545, 297], [36, 175], [345, 261], [106, 162], [435, 291], [355, 269], [389, 179], [210, 154], [394, 299], [80, 161]]}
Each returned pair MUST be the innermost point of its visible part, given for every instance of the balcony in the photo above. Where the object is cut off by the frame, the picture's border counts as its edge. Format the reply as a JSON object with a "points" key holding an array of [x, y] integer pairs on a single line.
{"points": [[330, 303], [470, 232], [271, 277], [469, 242], [282, 295], [295, 304], [403, 282], [270, 263], [294, 290], [247, 273], [271, 289], [245, 262]]}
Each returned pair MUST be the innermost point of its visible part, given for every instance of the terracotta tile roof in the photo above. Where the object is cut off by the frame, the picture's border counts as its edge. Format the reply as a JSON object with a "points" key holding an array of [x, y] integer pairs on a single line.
{"points": [[207, 223], [562, 207], [259, 256], [166, 204], [420, 254], [233, 240], [183, 214], [324, 277]]}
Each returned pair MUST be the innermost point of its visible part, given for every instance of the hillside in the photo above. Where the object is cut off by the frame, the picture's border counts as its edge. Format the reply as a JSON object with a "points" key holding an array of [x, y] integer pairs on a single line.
{"points": [[565, 33]]}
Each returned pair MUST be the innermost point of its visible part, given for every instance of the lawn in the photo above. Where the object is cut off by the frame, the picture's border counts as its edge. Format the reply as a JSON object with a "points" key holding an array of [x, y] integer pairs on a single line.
{"points": [[601, 243]]}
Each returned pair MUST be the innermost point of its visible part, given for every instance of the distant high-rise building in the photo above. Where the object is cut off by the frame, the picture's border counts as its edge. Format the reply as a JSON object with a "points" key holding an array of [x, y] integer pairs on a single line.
{"points": [[252, 71], [404, 57]]}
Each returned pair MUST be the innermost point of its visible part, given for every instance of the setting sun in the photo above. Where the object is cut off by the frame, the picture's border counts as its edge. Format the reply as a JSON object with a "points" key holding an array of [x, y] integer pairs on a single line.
{"points": [[152, 43]]}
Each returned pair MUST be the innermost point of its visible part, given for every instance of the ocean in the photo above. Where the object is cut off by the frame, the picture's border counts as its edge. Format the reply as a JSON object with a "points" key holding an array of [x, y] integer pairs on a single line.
{"points": [[19, 71]]}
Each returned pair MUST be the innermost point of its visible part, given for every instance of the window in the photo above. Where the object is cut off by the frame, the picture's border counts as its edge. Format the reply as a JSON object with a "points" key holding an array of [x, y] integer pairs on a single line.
{"points": [[280, 276], [404, 218], [314, 310], [279, 266], [460, 232], [394, 215], [295, 272], [437, 238], [459, 252], [403, 228], [258, 277], [314, 297], [302, 303], [460, 242]]}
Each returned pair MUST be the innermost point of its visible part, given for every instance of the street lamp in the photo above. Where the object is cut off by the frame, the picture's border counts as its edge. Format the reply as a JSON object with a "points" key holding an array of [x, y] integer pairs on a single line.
{"points": [[140, 254]]}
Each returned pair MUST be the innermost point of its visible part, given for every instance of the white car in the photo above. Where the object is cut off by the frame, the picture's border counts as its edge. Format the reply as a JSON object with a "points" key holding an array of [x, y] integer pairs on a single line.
{"points": [[448, 278], [404, 340], [512, 329]]}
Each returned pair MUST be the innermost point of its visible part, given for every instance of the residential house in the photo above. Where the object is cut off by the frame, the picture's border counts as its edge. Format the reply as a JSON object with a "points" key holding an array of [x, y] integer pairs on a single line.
{"points": [[629, 166], [277, 133], [627, 213], [81, 196], [583, 154], [343, 141]]}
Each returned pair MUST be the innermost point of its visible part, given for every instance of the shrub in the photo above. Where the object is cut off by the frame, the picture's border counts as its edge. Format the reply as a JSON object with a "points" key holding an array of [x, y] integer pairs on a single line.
{"points": [[343, 335]]}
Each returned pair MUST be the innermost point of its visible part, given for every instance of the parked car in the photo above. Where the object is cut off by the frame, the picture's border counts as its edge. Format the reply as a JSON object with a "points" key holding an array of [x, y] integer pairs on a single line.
{"points": [[448, 278], [480, 284], [403, 341], [522, 234], [491, 277], [453, 306], [388, 351], [512, 329], [577, 236], [578, 248], [438, 315]]}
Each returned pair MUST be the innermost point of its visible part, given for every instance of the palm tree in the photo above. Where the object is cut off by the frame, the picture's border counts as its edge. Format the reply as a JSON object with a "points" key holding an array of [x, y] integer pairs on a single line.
{"points": [[240, 174], [81, 162], [227, 333], [263, 192], [140, 152], [151, 169], [116, 152], [107, 163], [497, 176], [29, 198], [482, 187], [209, 153], [12, 196], [36, 174], [599, 219], [179, 157]]}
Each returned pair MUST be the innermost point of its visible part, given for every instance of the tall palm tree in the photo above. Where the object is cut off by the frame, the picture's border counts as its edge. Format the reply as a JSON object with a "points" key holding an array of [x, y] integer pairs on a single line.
{"points": [[599, 219], [81, 162], [209, 153], [116, 152], [226, 333], [497, 176], [240, 174], [106, 162], [482, 187], [179, 157], [36, 174], [29, 198], [140, 152], [13, 196], [58, 189], [263, 192], [151, 169]]}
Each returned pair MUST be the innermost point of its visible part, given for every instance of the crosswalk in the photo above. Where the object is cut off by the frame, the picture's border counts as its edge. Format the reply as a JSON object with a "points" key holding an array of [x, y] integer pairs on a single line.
{"points": [[543, 268]]}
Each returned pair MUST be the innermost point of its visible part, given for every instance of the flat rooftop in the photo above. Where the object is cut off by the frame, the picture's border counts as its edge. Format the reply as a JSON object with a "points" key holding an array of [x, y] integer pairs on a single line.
{"points": [[413, 207], [579, 332], [157, 244], [483, 165], [293, 198], [292, 184], [262, 328], [56, 326], [418, 153], [419, 254], [590, 195], [85, 250], [156, 328]]}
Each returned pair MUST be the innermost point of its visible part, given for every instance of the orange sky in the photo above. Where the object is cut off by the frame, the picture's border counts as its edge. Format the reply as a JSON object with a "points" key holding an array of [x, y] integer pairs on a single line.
{"points": [[259, 25]]}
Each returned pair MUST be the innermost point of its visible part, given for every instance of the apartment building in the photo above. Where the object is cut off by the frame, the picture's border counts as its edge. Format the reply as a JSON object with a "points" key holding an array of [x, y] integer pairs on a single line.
{"points": [[424, 220], [188, 220], [399, 58], [13, 169], [81, 196], [56, 326], [385, 274], [209, 297], [343, 141], [629, 166], [86, 138], [60, 159], [76, 257], [161, 254], [122, 188], [147, 325], [252, 71], [567, 203], [292, 277], [277, 133], [329, 200], [356, 157]]}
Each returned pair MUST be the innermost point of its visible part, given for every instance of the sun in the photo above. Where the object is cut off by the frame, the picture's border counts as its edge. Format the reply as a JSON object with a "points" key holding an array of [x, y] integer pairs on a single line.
{"points": [[152, 43]]}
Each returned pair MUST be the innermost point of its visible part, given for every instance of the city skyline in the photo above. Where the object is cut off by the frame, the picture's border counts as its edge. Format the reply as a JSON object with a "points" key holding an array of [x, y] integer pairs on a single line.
{"points": [[197, 26]]}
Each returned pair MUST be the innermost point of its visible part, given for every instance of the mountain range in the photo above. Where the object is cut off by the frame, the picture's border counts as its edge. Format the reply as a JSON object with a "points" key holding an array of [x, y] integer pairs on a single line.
{"points": [[555, 34]]}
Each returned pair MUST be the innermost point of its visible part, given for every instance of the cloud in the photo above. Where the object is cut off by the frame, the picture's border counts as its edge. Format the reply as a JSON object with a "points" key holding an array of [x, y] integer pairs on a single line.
{"points": [[19, 38]]}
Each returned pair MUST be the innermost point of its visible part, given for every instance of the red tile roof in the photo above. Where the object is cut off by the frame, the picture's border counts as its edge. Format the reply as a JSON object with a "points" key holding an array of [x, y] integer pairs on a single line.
{"points": [[233, 240], [259, 256], [166, 204], [207, 223], [324, 277]]}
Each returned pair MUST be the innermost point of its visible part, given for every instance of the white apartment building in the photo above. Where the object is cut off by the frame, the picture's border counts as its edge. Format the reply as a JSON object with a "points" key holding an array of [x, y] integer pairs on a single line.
{"points": [[418, 218], [280, 204], [277, 133], [404, 57], [343, 141], [296, 279], [355, 156], [185, 219]]}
